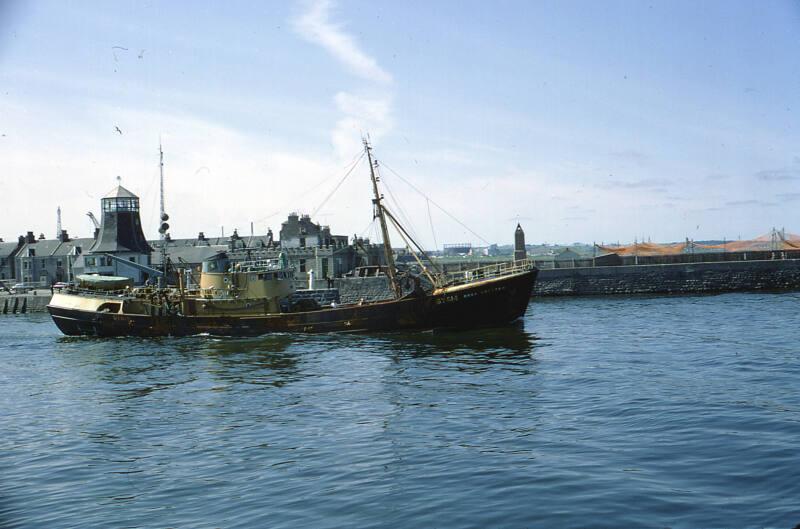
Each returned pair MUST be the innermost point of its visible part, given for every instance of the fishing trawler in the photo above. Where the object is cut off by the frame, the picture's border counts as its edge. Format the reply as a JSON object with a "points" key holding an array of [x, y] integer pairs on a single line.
{"points": [[257, 297]]}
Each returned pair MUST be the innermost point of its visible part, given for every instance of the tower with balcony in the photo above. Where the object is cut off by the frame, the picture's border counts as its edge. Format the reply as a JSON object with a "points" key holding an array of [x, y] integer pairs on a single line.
{"points": [[120, 235]]}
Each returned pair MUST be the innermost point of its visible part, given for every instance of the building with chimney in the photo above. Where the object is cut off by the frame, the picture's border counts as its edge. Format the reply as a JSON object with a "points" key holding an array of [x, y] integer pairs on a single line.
{"points": [[298, 231], [308, 247], [48, 261], [8, 252]]}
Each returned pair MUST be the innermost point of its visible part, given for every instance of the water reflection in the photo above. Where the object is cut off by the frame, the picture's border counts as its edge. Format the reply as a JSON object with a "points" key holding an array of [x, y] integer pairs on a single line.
{"points": [[134, 368], [264, 360], [137, 367], [509, 344]]}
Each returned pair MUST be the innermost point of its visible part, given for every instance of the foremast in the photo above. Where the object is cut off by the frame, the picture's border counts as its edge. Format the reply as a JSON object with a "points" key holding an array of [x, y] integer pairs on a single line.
{"points": [[378, 212], [162, 213]]}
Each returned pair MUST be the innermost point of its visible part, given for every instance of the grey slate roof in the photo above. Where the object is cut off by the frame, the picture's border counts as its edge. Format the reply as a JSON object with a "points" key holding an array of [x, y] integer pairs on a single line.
{"points": [[7, 248], [54, 247]]}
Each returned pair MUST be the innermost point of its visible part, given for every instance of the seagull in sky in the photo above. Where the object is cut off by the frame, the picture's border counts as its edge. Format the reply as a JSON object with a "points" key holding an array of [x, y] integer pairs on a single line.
{"points": [[117, 129]]}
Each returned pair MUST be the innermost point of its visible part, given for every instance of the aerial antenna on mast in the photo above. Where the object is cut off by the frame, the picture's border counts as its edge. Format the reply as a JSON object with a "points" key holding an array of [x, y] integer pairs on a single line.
{"points": [[58, 223]]}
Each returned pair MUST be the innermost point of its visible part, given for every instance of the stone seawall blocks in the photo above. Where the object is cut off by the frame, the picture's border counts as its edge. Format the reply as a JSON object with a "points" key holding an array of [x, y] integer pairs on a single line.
{"points": [[670, 278]]}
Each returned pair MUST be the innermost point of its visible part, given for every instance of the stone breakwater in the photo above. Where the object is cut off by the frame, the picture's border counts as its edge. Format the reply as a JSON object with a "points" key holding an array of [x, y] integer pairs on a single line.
{"points": [[670, 278]]}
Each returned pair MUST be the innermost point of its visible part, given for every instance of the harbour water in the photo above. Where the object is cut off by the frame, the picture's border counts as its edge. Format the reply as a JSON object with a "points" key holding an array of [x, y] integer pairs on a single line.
{"points": [[591, 412]]}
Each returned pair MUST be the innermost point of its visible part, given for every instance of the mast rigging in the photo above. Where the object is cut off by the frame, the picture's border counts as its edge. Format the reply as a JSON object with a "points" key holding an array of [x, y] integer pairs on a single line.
{"points": [[379, 213]]}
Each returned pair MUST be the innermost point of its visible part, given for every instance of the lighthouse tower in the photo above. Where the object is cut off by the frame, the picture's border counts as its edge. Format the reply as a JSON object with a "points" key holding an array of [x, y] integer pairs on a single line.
{"points": [[120, 235], [519, 244]]}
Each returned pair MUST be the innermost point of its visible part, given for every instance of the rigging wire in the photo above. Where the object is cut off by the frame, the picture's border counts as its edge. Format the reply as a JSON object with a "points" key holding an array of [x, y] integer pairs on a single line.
{"points": [[317, 185], [406, 221], [410, 241], [412, 186], [367, 228], [348, 173], [430, 219]]}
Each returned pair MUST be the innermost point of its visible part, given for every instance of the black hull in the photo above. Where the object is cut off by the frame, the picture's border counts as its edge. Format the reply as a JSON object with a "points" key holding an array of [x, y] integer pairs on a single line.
{"points": [[491, 302]]}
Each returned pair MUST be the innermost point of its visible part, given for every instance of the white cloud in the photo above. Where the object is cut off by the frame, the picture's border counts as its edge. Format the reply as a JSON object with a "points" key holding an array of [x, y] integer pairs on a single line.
{"points": [[362, 115], [315, 25]]}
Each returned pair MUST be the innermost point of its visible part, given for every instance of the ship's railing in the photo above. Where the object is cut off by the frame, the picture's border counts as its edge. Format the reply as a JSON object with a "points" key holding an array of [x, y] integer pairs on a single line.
{"points": [[488, 272], [263, 265], [97, 293]]}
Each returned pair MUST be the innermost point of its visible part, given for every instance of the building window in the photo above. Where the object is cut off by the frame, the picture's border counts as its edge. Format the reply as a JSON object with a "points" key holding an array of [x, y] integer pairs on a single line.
{"points": [[132, 259], [59, 264], [24, 265], [324, 267], [121, 204], [302, 265], [302, 242], [89, 261]]}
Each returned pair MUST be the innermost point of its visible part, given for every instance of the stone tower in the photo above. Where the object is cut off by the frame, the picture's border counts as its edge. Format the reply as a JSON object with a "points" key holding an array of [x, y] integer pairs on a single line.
{"points": [[121, 226], [120, 235], [519, 244]]}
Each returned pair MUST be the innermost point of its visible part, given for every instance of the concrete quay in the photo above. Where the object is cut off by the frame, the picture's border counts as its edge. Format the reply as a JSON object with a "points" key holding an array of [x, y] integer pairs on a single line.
{"points": [[24, 303]]}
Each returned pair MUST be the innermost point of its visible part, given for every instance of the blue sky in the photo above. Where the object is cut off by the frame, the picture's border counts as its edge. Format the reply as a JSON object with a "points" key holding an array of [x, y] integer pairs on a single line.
{"points": [[587, 121]]}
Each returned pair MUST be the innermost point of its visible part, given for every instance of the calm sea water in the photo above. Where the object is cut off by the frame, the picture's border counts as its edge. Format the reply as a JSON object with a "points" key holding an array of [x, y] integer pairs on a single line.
{"points": [[637, 412]]}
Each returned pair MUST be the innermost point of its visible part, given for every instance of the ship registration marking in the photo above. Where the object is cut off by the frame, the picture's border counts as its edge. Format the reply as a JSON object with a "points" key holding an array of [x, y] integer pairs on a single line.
{"points": [[450, 299]]}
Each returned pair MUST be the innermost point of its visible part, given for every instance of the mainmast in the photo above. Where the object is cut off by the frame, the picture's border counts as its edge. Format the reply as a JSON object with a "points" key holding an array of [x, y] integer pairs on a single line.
{"points": [[378, 212], [162, 226], [162, 236]]}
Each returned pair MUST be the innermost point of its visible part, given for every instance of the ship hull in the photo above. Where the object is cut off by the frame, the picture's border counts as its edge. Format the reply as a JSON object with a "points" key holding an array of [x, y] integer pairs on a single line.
{"points": [[491, 302]]}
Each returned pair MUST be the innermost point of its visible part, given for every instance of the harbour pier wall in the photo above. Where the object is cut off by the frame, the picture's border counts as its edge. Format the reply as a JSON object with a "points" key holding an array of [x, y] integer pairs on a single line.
{"points": [[23, 303], [674, 278]]}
